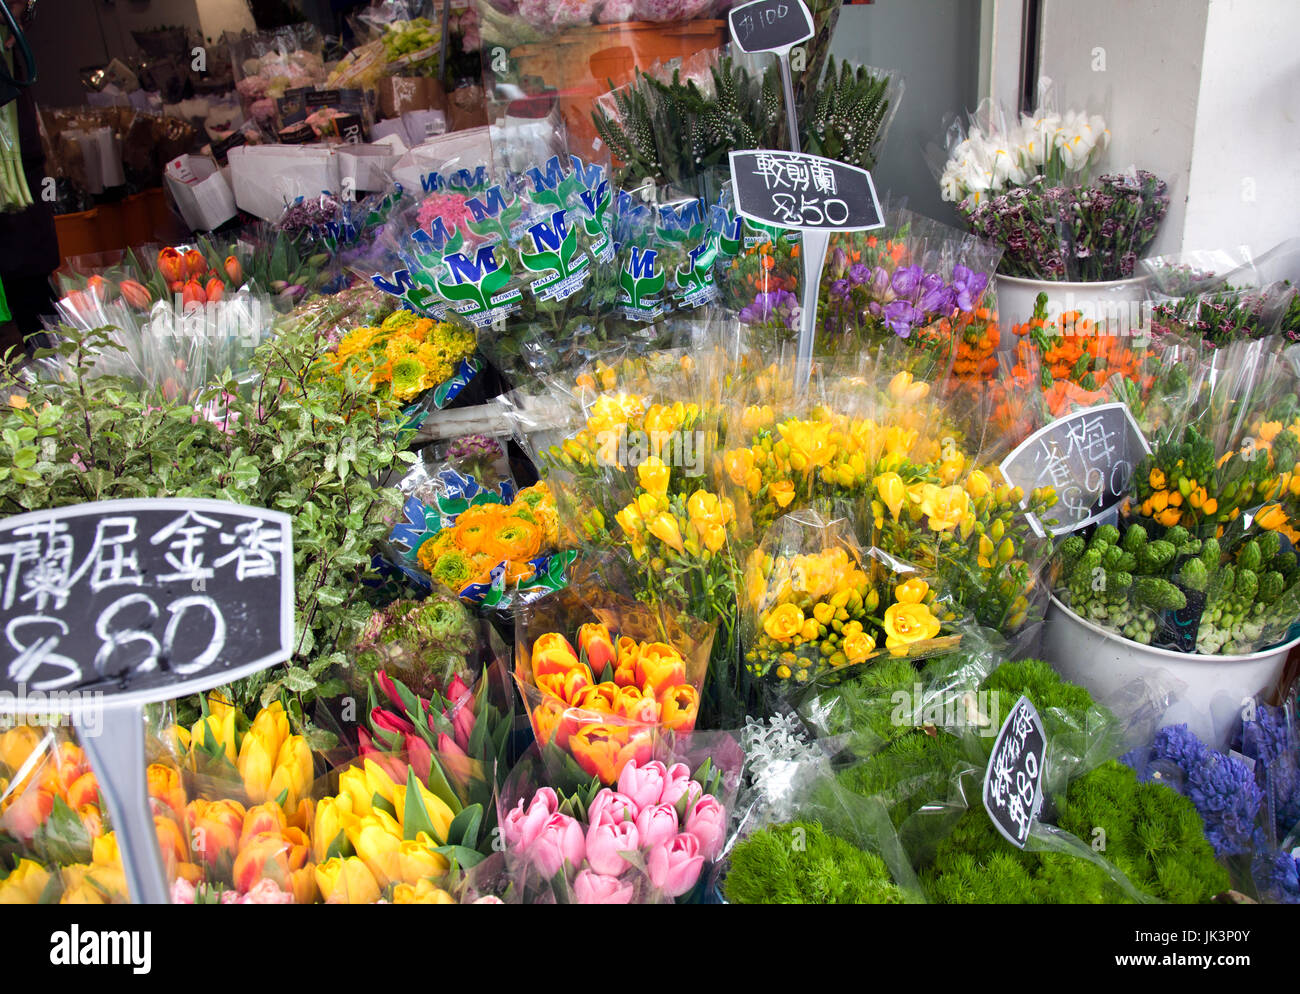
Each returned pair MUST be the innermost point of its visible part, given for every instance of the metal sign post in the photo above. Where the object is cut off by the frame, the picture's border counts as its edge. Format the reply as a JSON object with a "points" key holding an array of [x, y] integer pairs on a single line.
{"points": [[812, 195], [775, 26]]}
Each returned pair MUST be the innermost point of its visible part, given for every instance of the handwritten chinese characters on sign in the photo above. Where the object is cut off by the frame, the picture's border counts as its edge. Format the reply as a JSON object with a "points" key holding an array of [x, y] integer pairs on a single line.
{"points": [[1088, 457], [1013, 790], [801, 191], [147, 599], [770, 25]]}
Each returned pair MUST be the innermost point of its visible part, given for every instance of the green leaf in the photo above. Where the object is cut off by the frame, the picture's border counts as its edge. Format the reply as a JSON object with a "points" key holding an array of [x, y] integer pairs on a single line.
{"points": [[464, 827], [415, 819]]}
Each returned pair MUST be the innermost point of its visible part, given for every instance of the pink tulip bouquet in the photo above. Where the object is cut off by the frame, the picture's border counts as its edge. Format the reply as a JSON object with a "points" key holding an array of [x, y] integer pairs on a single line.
{"points": [[651, 837]]}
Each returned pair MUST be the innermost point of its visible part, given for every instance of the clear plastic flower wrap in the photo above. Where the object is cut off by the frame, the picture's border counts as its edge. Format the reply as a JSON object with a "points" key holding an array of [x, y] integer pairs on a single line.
{"points": [[267, 64], [479, 537], [651, 835], [605, 676], [917, 280], [175, 350], [814, 604], [928, 775]]}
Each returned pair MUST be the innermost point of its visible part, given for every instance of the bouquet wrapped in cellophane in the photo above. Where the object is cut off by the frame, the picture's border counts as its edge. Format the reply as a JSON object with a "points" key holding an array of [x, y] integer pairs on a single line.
{"points": [[654, 834], [914, 479], [605, 676]]}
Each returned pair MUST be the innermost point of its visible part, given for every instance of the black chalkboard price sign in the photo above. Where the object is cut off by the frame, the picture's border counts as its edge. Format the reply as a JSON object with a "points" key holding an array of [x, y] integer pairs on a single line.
{"points": [[805, 192], [1088, 457], [770, 25], [106, 607], [1013, 781]]}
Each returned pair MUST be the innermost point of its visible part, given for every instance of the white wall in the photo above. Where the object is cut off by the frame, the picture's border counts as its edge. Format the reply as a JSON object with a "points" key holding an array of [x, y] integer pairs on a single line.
{"points": [[1245, 176], [1137, 64], [1205, 93]]}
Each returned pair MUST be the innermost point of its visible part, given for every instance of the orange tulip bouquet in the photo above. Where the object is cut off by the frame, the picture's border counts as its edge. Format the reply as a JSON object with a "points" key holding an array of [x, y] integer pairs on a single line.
{"points": [[231, 803], [175, 343], [605, 678]]}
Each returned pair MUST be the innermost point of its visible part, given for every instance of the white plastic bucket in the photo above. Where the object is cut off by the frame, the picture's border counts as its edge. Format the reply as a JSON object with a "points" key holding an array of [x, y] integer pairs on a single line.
{"points": [[1213, 689]]}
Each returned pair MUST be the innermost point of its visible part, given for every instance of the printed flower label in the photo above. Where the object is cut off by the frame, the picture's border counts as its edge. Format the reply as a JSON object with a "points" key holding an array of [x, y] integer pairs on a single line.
{"points": [[556, 243], [695, 278], [641, 281], [477, 286]]}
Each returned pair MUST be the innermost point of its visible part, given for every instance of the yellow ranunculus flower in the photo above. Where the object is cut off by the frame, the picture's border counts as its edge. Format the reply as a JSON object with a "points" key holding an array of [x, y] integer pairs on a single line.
{"points": [[908, 623], [890, 488], [664, 527], [783, 622], [25, 884], [629, 519], [654, 476], [809, 442], [905, 389], [899, 441], [782, 492], [424, 892], [417, 860], [346, 881], [911, 592], [738, 464], [756, 418]]}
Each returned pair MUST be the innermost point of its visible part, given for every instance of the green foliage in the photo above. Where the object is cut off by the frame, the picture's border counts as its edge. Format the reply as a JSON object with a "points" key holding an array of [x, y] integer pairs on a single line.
{"points": [[672, 130], [1150, 834], [798, 863], [300, 440]]}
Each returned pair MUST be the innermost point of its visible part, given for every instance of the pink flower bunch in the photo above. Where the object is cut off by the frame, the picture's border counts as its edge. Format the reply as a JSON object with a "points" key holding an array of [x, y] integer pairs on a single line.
{"points": [[451, 207], [547, 14], [265, 891], [656, 817]]}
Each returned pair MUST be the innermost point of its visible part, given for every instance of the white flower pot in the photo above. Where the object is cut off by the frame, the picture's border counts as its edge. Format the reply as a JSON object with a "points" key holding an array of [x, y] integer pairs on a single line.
{"points": [[1207, 692], [1116, 303]]}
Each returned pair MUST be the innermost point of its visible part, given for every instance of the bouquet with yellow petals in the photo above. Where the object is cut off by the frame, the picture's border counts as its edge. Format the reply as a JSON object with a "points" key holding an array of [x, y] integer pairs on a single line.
{"points": [[408, 356], [914, 481], [816, 604]]}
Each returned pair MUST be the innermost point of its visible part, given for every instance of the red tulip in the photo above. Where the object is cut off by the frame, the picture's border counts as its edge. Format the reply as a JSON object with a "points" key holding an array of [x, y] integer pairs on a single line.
{"points": [[389, 727], [135, 294], [462, 723], [171, 265], [195, 264], [420, 756], [454, 759], [192, 295], [215, 289], [458, 692], [234, 270]]}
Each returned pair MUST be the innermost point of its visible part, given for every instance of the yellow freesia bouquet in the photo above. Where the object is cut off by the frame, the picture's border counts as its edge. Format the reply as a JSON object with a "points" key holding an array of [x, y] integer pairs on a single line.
{"points": [[815, 603]]}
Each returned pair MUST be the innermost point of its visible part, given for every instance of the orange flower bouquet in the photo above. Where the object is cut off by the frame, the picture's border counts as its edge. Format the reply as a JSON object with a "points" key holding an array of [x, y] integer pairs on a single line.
{"points": [[629, 675]]}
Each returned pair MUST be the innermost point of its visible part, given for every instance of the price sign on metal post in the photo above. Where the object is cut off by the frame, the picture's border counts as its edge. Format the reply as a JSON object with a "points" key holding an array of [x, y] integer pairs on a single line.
{"points": [[775, 26], [106, 607], [812, 195]]}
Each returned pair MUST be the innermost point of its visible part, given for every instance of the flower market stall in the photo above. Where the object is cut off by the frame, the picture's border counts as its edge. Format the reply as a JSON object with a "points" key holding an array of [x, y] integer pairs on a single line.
{"points": [[520, 475]]}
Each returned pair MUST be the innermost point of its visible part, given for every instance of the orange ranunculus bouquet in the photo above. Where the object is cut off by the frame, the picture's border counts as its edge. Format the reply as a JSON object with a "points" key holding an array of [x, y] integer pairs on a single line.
{"points": [[603, 682]]}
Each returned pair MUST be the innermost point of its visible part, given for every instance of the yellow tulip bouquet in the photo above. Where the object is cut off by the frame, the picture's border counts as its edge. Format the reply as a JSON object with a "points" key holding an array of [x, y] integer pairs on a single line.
{"points": [[816, 604], [231, 804]]}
